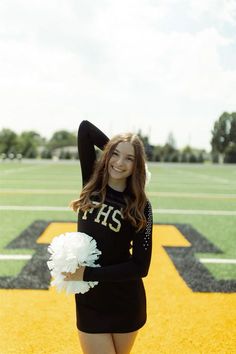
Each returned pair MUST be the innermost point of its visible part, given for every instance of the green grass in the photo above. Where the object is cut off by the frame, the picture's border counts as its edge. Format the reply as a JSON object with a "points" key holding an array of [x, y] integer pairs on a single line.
{"points": [[11, 269], [56, 184]]}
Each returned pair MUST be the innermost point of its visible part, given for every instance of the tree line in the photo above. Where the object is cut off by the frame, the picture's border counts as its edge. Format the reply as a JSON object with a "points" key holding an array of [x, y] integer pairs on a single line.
{"points": [[30, 144], [63, 145]]}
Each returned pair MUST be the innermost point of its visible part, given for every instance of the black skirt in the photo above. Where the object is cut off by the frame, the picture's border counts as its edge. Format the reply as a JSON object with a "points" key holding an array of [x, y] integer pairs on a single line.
{"points": [[112, 307]]}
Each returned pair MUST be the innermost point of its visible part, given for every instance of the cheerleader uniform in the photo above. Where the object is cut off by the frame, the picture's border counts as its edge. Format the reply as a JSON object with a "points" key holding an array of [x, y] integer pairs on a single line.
{"points": [[118, 303]]}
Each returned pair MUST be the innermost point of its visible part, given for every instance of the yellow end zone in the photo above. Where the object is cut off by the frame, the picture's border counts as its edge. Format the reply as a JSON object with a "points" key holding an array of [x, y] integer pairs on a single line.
{"points": [[179, 320], [55, 229]]}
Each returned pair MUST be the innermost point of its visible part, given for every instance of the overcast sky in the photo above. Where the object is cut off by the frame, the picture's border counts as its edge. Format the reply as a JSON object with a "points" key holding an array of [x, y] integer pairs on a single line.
{"points": [[157, 65]]}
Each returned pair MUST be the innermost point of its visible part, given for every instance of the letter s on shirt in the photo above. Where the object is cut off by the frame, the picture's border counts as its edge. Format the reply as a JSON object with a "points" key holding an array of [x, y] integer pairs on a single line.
{"points": [[116, 227]]}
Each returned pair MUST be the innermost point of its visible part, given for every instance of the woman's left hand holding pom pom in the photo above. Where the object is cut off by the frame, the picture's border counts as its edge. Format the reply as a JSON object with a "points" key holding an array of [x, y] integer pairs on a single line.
{"points": [[70, 253], [77, 275]]}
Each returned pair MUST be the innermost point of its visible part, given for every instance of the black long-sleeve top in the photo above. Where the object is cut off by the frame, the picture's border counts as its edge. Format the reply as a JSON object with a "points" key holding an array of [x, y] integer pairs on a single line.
{"points": [[114, 235]]}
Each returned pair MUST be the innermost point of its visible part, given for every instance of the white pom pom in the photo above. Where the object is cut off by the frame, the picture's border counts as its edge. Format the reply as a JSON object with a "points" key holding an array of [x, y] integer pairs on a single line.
{"points": [[67, 252], [148, 175]]}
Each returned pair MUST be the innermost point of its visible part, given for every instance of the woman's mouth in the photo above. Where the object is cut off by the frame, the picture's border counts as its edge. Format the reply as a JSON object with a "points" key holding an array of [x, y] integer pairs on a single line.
{"points": [[117, 169]]}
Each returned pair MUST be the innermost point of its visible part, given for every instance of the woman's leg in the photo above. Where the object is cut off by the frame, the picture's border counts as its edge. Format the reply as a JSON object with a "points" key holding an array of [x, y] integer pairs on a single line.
{"points": [[96, 343], [124, 341]]}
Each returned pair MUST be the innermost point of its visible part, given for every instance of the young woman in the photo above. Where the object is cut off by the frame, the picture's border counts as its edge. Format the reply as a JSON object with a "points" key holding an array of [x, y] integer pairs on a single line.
{"points": [[114, 210]]}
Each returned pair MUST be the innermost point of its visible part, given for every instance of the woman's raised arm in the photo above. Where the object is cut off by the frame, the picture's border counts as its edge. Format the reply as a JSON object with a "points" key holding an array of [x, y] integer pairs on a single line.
{"points": [[88, 137]]}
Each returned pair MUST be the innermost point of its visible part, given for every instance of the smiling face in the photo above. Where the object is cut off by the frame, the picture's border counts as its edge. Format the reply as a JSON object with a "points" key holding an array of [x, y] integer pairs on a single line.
{"points": [[120, 165]]}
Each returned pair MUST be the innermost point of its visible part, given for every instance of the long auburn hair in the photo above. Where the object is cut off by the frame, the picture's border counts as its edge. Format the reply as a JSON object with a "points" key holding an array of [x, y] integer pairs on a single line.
{"points": [[134, 196]]}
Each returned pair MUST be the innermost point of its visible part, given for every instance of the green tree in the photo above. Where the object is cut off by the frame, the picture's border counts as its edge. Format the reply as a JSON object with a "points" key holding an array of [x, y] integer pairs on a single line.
{"points": [[157, 153], [186, 153], [175, 157], [171, 140], [62, 138], [223, 134], [147, 146], [200, 157], [46, 154], [8, 141], [233, 128], [167, 152], [230, 153], [193, 157], [29, 141]]}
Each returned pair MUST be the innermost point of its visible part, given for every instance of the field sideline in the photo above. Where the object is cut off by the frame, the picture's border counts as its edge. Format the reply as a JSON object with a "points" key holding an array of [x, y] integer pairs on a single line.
{"points": [[193, 266]]}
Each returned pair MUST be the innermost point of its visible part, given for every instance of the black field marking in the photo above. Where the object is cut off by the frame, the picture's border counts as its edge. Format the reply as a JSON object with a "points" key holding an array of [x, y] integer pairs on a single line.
{"points": [[194, 273], [35, 274]]}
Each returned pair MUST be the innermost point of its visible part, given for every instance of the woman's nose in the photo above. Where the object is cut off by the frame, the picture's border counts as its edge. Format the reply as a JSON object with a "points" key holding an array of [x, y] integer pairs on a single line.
{"points": [[120, 161]]}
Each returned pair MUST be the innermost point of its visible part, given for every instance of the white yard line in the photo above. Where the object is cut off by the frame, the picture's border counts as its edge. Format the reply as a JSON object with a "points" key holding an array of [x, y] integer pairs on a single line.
{"points": [[217, 260], [20, 169], [204, 176], [39, 191], [194, 212], [33, 208], [193, 195], [155, 211], [15, 257], [160, 194], [29, 256]]}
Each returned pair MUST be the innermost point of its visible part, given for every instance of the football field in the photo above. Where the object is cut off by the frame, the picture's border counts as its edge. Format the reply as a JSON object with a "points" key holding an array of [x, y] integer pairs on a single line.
{"points": [[191, 286]]}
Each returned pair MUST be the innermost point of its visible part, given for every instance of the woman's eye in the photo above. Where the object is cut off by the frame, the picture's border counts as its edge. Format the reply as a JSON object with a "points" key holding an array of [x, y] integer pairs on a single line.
{"points": [[114, 153]]}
